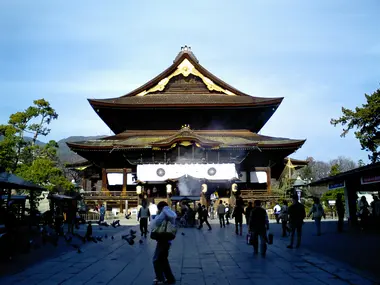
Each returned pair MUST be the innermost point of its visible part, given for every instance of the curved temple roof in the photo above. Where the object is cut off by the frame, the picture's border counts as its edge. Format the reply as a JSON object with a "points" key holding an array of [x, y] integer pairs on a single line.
{"points": [[185, 84], [206, 139]]}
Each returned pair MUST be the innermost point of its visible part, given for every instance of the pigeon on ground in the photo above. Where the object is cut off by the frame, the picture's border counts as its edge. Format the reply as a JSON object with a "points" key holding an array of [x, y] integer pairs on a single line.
{"points": [[112, 238], [79, 251], [140, 241], [183, 234], [105, 236], [68, 239], [100, 228], [99, 239]]}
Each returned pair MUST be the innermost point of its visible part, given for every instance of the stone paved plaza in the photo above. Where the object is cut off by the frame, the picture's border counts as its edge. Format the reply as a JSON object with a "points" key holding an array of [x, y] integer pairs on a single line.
{"points": [[197, 257]]}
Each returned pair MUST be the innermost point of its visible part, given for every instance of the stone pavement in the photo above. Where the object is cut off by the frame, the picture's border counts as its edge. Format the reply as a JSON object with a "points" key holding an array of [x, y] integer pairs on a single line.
{"points": [[197, 257]]}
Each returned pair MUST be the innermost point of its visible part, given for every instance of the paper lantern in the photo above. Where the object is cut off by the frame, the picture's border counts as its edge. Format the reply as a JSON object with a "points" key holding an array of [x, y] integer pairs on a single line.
{"points": [[204, 188], [168, 188], [138, 189], [234, 187]]}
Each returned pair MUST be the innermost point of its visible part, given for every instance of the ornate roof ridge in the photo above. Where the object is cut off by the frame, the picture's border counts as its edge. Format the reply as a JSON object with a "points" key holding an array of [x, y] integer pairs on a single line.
{"points": [[186, 63]]}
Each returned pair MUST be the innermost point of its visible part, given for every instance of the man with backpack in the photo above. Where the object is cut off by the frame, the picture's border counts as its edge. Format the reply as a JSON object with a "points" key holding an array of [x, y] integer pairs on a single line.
{"points": [[317, 212], [297, 214], [258, 226]]}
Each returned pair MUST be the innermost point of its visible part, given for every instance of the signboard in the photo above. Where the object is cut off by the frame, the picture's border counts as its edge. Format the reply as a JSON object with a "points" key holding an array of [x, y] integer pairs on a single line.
{"points": [[337, 185], [370, 179], [258, 177]]}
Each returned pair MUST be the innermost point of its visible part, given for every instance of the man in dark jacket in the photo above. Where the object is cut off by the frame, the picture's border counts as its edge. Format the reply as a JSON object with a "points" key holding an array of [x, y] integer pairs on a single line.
{"points": [[204, 216], [296, 216], [258, 226], [248, 212]]}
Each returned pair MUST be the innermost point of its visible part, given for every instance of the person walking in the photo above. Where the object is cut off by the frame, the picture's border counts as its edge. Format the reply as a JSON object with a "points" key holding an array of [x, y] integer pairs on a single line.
{"points": [[102, 213], [238, 215], [284, 218], [248, 212], [363, 212], [199, 212], [277, 212], [221, 212], [204, 216], [143, 217], [317, 212], [161, 264], [153, 210], [228, 214], [258, 226], [296, 216], [340, 211]]}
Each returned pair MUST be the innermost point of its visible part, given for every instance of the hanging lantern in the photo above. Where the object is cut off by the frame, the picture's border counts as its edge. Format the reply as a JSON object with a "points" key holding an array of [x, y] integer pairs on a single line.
{"points": [[234, 187], [168, 188], [204, 188], [138, 189]]}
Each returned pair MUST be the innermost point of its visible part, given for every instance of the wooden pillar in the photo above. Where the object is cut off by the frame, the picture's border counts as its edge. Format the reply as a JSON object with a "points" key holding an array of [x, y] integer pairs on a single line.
{"points": [[124, 189], [104, 181], [269, 176]]}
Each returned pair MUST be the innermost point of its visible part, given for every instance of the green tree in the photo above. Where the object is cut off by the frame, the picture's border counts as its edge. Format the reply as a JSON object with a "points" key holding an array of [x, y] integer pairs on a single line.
{"points": [[361, 163], [21, 155], [366, 121], [335, 169]]}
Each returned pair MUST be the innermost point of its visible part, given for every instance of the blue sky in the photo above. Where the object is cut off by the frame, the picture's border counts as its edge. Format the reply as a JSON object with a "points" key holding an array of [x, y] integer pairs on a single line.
{"points": [[319, 55]]}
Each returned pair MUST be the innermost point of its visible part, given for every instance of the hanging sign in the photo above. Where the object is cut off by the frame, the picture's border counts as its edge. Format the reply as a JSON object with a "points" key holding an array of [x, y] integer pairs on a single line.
{"points": [[337, 185], [370, 179]]}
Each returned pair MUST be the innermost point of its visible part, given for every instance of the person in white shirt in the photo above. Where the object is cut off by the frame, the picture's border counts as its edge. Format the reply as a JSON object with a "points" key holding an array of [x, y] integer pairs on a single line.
{"points": [[277, 212], [160, 259], [221, 212], [153, 210]]}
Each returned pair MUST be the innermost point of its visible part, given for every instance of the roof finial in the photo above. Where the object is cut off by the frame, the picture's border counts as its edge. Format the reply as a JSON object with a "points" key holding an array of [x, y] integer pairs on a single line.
{"points": [[186, 50]]}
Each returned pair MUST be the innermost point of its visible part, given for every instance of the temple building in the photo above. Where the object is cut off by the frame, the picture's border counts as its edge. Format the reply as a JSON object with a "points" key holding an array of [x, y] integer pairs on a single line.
{"points": [[185, 132]]}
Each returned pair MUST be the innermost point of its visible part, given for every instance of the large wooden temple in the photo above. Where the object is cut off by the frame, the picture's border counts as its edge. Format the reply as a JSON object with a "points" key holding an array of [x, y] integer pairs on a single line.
{"points": [[183, 131]]}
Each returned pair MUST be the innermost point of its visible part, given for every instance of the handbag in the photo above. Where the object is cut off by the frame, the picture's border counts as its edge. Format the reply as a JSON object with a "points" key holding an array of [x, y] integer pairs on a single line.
{"points": [[249, 239], [164, 232], [270, 238]]}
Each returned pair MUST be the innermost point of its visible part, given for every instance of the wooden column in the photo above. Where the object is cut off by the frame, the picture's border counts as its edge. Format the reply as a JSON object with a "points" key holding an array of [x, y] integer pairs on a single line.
{"points": [[104, 181], [124, 189], [269, 177]]}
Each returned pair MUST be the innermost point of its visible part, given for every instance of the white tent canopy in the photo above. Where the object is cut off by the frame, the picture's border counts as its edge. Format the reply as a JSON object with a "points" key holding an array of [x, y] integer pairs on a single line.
{"points": [[162, 172]]}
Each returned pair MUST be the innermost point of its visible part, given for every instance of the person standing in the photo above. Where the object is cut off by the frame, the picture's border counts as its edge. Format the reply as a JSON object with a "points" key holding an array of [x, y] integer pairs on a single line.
{"points": [[143, 217], [238, 215], [247, 212], [340, 211], [363, 212], [296, 216], [161, 264], [102, 213], [204, 216], [153, 210], [277, 212], [228, 214], [317, 212], [221, 212], [258, 226], [284, 218]]}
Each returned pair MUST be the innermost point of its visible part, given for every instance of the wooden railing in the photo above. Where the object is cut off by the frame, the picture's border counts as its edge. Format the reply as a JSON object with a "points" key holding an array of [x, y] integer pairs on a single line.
{"points": [[110, 194], [246, 193]]}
